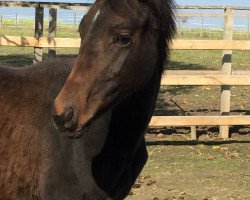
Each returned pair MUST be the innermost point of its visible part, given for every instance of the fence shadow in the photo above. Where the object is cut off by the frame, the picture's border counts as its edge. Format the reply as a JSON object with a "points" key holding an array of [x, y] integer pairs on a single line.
{"points": [[174, 65], [16, 60], [22, 60], [242, 134], [194, 143]]}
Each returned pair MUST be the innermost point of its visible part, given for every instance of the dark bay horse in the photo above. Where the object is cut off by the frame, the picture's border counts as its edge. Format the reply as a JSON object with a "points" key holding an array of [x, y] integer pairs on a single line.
{"points": [[78, 133]]}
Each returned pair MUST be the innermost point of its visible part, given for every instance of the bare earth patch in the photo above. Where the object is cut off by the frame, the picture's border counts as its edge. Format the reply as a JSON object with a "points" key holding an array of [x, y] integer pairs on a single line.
{"points": [[210, 169]]}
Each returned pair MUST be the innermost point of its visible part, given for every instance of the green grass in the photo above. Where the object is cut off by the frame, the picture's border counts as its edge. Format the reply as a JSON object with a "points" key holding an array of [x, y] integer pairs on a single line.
{"points": [[206, 60], [64, 32], [210, 34], [25, 28]]}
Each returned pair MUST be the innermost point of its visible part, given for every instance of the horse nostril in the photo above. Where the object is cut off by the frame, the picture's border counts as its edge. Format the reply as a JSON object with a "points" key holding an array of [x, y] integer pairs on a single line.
{"points": [[68, 114], [70, 120], [59, 122], [67, 120]]}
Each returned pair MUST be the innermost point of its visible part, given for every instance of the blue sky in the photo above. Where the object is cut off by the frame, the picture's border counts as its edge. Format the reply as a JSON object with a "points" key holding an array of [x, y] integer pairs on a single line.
{"points": [[214, 2], [182, 2]]}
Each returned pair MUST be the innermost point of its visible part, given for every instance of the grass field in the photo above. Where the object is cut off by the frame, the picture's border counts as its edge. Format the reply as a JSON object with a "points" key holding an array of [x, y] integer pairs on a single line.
{"points": [[210, 169]]}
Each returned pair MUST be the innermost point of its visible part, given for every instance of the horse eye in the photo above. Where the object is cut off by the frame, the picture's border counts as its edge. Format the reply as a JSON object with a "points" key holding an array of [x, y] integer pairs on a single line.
{"points": [[123, 39]]}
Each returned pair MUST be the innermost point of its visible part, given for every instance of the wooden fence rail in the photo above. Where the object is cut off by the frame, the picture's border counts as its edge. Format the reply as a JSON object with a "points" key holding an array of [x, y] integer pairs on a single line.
{"points": [[55, 5], [224, 78], [165, 121], [18, 41], [211, 80]]}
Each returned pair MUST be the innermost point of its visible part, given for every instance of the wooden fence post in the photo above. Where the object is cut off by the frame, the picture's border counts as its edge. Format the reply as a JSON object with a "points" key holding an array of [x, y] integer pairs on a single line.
{"points": [[227, 70], [248, 27], [38, 52], [179, 25], [74, 20], [1, 20], [202, 26], [193, 133], [16, 21], [52, 30]]}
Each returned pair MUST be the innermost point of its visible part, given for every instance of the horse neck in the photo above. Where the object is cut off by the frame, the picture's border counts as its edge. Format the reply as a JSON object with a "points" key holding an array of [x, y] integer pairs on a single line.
{"points": [[128, 124], [140, 105]]}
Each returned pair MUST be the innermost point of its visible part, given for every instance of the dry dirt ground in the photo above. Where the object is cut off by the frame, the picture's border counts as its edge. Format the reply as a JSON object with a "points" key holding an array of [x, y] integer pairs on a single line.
{"points": [[209, 169]]}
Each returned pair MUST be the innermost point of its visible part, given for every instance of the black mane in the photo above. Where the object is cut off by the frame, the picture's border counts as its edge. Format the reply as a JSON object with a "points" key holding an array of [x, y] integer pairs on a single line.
{"points": [[164, 22]]}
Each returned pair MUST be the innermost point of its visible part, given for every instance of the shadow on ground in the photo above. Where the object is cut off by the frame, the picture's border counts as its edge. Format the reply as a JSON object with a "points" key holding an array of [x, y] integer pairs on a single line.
{"points": [[16, 60], [173, 65], [193, 143]]}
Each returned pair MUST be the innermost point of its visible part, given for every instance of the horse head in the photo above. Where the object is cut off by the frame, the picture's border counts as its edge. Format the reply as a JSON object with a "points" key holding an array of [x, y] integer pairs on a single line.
{"points": [[122, 42]]}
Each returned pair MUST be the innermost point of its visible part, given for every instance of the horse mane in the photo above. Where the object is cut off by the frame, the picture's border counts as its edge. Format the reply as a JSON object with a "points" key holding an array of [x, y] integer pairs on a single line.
{"points": [[164, 11], [163, 20]]}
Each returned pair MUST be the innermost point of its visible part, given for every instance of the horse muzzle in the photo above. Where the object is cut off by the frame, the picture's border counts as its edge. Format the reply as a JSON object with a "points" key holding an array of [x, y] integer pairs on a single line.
{"points": [[66, 121]]}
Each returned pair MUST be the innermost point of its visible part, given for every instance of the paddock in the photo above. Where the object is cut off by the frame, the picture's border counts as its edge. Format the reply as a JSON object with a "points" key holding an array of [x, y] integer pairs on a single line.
{"points": [[208, 168], [226, 77]]}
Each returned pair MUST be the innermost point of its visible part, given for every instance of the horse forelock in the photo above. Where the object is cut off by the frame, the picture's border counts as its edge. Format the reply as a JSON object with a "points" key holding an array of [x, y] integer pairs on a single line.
{"points": [[163, 12], [121, 5], [162, 9], [126, 8]]}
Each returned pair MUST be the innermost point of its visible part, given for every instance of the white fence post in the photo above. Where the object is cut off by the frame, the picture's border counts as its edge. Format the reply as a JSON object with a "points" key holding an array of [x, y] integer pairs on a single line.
{"points": [[52, 30], [38, 51], [227, 70]]}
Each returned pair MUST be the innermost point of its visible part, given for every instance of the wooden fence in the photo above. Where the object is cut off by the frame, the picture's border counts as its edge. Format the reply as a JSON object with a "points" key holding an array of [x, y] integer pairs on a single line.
{"points": [[224, 78], [185, 16]]}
